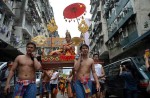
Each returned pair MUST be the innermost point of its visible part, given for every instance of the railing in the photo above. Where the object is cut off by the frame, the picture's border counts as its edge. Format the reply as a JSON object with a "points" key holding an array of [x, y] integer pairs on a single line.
{"points": [[121, 22], [121, 5]]}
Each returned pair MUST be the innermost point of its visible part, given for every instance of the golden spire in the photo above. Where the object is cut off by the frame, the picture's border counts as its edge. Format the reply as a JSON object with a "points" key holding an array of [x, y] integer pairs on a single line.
{"points": [[52, 27], [83, 27]]}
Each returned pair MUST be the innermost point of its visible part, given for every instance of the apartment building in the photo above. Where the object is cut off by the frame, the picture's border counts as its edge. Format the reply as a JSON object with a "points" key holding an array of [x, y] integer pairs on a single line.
{"points": [[98, 33], [127, 27], [20, 21]]}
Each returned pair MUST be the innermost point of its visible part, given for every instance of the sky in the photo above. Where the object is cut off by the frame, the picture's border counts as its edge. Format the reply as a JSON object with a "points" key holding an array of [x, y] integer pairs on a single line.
{"points": [[72, 27]]}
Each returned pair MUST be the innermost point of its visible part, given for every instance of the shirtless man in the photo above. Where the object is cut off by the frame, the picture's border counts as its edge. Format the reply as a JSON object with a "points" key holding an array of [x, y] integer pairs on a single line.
{"points": [[83, 66], [26, 66], [45, 87]]}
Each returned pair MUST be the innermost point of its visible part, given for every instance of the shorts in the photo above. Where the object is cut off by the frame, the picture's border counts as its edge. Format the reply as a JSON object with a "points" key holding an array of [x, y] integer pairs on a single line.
{"points": [[53, 86], [45, 87], [80, 92], [28, 91], [72, 87]]}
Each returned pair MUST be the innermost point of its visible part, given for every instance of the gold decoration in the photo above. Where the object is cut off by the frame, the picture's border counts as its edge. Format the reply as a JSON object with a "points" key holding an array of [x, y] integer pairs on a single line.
{"points": [[40, 39], [76, 41], [52, 27], [83, 27]]}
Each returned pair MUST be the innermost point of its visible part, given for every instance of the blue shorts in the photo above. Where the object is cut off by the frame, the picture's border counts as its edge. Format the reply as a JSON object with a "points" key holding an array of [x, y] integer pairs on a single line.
{"points": [[45, 87], [80, 93], [72, 87], [53, 86], [28, 91]]}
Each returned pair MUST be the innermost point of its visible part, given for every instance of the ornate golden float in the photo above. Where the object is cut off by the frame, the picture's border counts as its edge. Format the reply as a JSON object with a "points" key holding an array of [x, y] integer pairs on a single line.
{"points": [[52, 61]]}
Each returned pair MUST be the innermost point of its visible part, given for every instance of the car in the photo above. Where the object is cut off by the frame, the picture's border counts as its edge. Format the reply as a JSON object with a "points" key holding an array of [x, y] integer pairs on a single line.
{"points": [[115, 84], [3, 65]]}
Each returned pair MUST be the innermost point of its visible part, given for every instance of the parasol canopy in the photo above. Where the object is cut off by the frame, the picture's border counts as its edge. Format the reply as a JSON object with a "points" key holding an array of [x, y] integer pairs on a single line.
{"points": [[74, 10]]}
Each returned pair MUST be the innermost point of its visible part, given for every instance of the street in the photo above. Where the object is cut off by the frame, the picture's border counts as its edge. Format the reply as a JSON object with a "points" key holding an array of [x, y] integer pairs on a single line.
{"points": [[58, 96]]}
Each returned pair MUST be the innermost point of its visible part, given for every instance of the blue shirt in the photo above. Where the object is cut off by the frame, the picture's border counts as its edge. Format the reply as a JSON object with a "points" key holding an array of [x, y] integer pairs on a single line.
{"points": [[130, 82]]}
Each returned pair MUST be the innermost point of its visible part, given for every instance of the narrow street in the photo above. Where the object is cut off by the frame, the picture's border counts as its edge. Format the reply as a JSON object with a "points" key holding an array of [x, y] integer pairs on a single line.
{"points": [[58, 96], [75, 45]]}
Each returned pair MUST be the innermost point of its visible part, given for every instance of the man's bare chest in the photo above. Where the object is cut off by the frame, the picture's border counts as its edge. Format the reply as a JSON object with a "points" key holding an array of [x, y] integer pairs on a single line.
{"points": [[26, 62]]}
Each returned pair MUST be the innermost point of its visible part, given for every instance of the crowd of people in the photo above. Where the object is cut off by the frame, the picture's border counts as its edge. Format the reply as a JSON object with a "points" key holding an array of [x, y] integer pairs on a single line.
{"points": [[87, 78]]}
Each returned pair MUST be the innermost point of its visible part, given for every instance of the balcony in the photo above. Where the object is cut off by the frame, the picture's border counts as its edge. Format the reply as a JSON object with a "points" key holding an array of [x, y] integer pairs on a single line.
{"points": [[93, 9], [7, 6], [96, 16], [124, 41], [92, 45], [129, 38], [37, 11], [121, 4], [28, 28], [97, 27], [94, 1], [121, 22], [137, 40], [103, 52]]}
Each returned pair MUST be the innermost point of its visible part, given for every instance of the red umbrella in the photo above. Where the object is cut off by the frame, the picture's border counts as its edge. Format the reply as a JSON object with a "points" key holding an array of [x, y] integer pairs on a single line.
{"points": [[74, 10]]}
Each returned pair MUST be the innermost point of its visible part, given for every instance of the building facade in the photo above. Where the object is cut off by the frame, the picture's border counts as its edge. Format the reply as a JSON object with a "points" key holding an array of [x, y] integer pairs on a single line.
{"points": [[128, 27], [98, 31], [20, 21]]}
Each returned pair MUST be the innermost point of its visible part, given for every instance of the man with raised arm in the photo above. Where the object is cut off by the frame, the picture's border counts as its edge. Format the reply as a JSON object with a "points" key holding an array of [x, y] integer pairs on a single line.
{"points": [[83, 66], [26, 66]]}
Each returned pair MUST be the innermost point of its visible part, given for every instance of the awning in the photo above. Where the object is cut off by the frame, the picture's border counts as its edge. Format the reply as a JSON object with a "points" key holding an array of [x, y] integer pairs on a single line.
{"points": [[137, 40], [8, 52]]}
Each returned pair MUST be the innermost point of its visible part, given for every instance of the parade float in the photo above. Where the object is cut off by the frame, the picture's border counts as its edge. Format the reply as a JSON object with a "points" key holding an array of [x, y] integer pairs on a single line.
{"points": [[62, 57], [65, 55]]}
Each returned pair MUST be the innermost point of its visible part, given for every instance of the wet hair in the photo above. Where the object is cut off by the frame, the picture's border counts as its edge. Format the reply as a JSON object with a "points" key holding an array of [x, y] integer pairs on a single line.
{"points": [[83, 46], [31, 43]]}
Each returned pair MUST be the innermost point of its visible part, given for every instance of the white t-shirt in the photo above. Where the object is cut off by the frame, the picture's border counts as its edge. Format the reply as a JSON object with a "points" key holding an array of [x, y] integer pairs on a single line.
{"points": [[98, 71], [54, 76]]}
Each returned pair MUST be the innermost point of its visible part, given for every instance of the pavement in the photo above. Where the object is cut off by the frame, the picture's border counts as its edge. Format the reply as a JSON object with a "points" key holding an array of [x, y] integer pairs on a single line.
{"points": [[58, 96]]}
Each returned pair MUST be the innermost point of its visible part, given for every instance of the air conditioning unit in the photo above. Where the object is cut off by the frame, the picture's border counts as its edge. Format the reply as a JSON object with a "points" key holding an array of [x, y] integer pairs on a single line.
{"points": [[117, 44], [125, 10], [109, 42], [125, 34], [121, 30]]}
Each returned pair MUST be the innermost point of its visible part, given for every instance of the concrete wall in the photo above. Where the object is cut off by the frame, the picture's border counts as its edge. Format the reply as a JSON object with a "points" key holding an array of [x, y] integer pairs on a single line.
{"points": [[142, 9]]}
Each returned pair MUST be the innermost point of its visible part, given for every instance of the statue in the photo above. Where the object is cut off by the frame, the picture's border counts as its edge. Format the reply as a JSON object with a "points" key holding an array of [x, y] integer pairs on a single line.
{"points": [[67, 49]]}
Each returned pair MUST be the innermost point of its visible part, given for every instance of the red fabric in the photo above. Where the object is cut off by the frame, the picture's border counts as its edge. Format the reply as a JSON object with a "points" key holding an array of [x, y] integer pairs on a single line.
{"points": [[67, 58], [74, 10]]}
